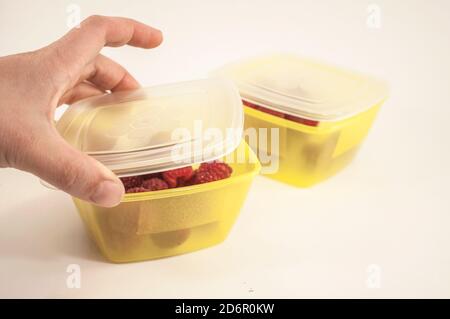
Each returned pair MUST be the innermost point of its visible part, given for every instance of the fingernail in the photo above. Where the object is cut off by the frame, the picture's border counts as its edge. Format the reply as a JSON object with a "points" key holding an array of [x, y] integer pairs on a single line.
{"points": [[108, 194]]}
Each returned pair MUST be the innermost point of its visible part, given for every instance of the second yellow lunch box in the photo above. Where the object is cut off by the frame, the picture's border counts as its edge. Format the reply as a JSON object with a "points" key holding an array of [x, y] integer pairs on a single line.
{"points": [[304, 119]]}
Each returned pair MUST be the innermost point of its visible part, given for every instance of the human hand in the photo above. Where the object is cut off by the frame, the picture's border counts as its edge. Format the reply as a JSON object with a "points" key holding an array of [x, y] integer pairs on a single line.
{"points": [[33, 84]]}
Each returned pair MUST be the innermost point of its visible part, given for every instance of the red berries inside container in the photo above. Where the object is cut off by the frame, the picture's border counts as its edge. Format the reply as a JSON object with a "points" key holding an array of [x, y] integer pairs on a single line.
{"points": [[289, 117], [210, 172], [185, 176], [178, 177]]}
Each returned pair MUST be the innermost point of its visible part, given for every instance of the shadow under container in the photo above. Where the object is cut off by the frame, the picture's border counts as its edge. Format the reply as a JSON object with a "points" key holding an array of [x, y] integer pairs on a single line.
{"points": [[174, 221], [309, 117]]}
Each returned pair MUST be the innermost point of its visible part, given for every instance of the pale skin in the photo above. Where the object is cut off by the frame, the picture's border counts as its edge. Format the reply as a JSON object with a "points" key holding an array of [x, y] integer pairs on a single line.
{"points": [[34, 84]]}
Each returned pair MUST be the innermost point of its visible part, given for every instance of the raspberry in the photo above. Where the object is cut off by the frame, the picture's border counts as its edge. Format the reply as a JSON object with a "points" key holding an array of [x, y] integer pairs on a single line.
{"points": [[136, 190], [205, 177], [216, 166], [249, 104], [301, 120], [210, 172], [185, 176], [154, 184], [131, 181], [272, 112], [282, 115], [151, 175], [178, 177]]}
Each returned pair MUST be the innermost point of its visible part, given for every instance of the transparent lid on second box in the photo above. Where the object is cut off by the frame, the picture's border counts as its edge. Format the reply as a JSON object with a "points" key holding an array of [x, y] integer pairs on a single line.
{"points": [[304, 87], [157, 128]]}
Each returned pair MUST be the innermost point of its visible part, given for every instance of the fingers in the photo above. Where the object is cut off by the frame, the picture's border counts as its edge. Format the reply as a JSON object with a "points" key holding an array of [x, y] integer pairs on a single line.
{"points": [[50, 157], [109, 75], [58, 163], [116, 31], [100, 75], [97, 31], [80, 91]]}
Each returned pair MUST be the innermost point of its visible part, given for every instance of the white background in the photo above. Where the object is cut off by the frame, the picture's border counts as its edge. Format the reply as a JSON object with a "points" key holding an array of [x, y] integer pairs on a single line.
{"points": [[390, 207]]}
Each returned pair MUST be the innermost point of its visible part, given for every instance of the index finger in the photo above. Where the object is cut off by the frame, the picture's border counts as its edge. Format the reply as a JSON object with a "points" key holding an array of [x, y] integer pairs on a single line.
{"points": [[96, 32]]}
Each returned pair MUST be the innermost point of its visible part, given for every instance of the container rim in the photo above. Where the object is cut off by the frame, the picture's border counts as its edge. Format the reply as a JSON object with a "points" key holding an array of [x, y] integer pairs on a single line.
{"points": [[322, 128]]}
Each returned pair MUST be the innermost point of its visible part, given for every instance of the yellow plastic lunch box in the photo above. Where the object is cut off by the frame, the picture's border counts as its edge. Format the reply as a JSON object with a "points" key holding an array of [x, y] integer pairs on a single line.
{"points": [[304, 119], [158, 129]]}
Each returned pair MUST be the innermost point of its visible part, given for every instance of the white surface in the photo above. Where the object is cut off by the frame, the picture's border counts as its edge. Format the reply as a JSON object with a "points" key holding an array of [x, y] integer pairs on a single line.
{"points": [[390, 207]]}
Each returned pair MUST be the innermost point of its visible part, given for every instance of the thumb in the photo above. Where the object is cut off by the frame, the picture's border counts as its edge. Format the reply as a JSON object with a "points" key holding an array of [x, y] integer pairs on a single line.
{"points": [[52, 159]]}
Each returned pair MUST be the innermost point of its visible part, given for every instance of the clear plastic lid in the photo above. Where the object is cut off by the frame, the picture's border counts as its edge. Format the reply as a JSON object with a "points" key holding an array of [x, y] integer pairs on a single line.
{"points": [[303, 87], [157, 128]]}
